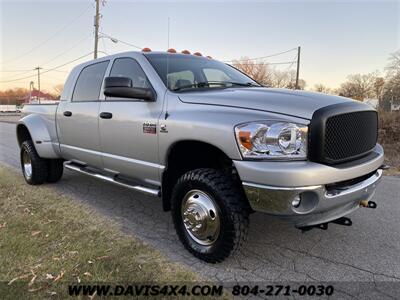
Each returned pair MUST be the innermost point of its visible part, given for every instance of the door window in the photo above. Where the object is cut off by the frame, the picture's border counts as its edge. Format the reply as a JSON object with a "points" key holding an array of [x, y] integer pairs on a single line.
{"points": [[128, 67], [89, 82]]}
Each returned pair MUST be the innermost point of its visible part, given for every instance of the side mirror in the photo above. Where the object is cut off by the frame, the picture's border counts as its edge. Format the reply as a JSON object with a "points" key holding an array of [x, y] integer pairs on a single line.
{"points": [[121, 87]]}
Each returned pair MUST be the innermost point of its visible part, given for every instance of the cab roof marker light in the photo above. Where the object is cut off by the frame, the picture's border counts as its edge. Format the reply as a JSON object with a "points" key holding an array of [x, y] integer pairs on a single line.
{"points": [[146, 49], [185, 52], [197, 54], [171, 50]]}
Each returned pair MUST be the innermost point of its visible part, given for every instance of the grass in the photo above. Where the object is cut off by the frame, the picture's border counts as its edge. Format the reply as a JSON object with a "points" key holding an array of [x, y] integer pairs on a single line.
{"points": [[389, 138], [48, 241]]}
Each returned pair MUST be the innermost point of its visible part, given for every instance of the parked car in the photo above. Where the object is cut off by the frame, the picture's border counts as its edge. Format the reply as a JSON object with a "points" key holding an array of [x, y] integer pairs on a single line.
{"points": [[208, 140]]}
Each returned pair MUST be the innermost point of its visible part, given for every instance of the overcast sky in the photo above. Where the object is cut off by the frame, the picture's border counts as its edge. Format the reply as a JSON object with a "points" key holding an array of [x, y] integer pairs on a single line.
{"points": [[337, 37]]}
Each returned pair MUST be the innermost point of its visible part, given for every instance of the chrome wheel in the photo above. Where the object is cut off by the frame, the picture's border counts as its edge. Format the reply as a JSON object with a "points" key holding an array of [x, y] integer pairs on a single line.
{"points": [[27, 164], [200, 217]]}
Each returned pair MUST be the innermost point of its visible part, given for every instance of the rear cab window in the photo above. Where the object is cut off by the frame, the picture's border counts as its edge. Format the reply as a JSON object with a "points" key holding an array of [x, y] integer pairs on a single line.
{"points": [[89, 82]]}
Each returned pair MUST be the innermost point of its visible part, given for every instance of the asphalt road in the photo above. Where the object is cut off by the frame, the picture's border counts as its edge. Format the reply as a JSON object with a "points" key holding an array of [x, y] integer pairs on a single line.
{"points": [[367, 252]]}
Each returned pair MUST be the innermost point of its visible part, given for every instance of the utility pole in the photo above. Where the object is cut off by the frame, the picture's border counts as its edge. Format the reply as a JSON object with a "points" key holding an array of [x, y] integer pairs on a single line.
{"points": [[298, 67], [96, 28], [38, 74]]}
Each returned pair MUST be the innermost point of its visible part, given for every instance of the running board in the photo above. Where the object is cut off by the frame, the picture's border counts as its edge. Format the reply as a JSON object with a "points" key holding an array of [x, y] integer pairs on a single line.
{"points": [[84, 170]]}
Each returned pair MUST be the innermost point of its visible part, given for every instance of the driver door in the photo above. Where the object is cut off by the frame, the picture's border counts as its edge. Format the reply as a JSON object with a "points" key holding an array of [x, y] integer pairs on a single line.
{"points": [[128, 134]]}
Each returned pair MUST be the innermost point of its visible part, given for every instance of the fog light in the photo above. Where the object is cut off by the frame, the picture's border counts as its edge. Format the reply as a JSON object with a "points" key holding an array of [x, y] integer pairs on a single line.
{"points": [[296, 201]]}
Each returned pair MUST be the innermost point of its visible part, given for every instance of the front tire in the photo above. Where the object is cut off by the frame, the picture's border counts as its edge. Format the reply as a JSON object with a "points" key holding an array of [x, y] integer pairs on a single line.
{"points": [[33, 167], [210, 214]]}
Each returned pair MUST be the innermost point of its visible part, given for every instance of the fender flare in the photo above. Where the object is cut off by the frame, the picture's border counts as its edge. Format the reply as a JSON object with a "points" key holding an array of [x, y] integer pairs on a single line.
{"points": [[39, 134]]}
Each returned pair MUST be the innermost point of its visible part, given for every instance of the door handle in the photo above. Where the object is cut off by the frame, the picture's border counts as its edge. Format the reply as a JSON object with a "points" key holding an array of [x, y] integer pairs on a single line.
{"points": [[67, 113], [106, 115]]}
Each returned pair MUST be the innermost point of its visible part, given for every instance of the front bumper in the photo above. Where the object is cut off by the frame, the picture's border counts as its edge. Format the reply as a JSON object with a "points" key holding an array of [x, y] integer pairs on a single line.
{"points": [[328, 193], [319, 204]]}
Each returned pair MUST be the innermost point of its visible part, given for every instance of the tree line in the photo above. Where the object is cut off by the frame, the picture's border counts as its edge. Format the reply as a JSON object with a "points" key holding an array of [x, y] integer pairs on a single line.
{"points": [[385, 88]]}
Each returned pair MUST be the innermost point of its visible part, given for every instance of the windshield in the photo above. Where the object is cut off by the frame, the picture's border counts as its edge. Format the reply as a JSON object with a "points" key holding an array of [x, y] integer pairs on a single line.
{"points": [[182, 72]]}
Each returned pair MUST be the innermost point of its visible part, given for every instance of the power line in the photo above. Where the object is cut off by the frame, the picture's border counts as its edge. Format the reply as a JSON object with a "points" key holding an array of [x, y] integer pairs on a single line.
{"points": [[50, 70], [49, 38], [66, 51], [50, 60], [20, 73], [104, 46], [271, 63], [14, 71], [103, 52], [103, 42], [18, 79], [120, 41], [293, 61], [60, 71], [262, 57], [67, 63]]}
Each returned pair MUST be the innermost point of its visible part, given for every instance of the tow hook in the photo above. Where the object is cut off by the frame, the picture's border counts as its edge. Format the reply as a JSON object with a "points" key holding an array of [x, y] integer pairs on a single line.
{"points": [[324, 226], [368, 204], [384, 167]]}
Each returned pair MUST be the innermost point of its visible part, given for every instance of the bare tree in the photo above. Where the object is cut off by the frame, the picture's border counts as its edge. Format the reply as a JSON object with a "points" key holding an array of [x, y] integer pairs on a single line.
{"points": [[280, 79], [322, 88], [13, 96], [359, 86], [286, 79], [394, 63], [262, 73], [256, 70], [391, 89]]}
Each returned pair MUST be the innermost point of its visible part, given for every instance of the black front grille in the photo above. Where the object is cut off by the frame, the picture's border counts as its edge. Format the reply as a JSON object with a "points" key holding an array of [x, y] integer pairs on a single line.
{"points": [[349, 135], [341, 134]]}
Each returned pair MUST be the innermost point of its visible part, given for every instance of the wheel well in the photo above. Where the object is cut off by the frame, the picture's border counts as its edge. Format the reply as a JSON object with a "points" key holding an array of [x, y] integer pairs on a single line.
{"points": [[23, 134], [189, 155]]}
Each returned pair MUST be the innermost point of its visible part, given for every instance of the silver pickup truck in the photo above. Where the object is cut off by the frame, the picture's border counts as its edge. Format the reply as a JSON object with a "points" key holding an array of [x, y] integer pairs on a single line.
{"points": [[208, 140]]}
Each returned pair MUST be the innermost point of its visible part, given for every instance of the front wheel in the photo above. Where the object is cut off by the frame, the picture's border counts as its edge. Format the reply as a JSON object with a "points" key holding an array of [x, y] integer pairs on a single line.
{"points": [[210, 214]]}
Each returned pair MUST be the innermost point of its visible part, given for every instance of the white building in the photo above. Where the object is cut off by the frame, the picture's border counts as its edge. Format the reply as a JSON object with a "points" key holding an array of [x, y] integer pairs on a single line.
{"points": [[394, 106], [372, 102]]}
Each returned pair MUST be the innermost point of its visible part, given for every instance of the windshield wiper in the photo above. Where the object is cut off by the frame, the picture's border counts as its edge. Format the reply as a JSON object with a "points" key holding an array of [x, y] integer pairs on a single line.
{"points": [[243, 84], [197, 85], [207, 84]]}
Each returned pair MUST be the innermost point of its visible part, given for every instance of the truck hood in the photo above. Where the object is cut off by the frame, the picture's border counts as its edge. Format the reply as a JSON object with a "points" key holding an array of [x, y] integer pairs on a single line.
{"points": [[283, 101]]}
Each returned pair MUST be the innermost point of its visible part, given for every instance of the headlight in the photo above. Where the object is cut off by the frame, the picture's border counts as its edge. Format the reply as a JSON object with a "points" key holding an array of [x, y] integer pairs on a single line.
{"points": [[272, 140]]}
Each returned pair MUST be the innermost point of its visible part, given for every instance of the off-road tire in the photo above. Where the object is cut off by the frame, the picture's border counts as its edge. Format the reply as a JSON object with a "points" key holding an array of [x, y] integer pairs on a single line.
{"points": [[55, 170], [39, 165], [233, 209]]}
